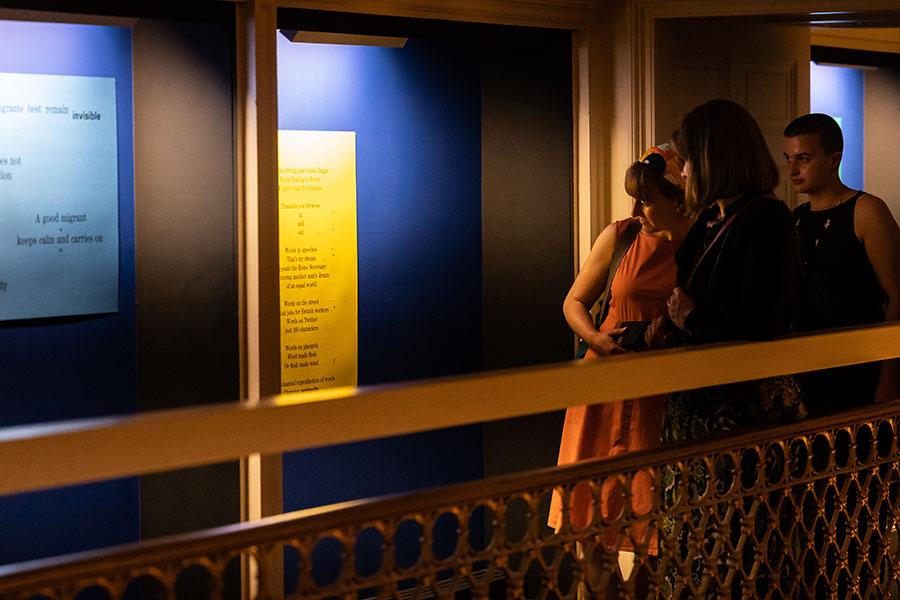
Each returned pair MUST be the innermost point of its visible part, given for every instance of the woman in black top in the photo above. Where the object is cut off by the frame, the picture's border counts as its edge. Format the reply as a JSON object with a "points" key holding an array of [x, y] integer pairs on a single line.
{"points": [[737, 267], [736, 271]]}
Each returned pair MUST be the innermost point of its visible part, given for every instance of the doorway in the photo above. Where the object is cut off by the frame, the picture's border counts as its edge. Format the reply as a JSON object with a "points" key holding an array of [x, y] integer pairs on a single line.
{"points": [[856, 79]]}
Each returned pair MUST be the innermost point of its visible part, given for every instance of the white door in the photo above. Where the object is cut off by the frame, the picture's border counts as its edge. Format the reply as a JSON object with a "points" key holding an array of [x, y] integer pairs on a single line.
{"points": [[763, 66]]}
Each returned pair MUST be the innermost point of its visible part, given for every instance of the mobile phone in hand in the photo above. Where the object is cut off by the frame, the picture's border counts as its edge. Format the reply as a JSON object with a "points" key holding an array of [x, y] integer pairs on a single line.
{"points": [[633, 337]]}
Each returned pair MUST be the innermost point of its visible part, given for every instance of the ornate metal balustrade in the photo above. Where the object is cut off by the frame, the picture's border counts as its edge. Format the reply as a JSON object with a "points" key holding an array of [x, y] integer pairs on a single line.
{"points": [[802, 510]]}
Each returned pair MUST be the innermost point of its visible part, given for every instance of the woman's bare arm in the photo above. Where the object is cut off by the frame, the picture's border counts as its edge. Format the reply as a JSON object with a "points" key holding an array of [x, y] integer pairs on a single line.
{"points": [[586, 290]]}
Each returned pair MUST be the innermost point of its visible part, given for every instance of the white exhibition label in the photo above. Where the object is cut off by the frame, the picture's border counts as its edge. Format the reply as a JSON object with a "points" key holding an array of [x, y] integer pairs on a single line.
{"points": [[59, 200]]}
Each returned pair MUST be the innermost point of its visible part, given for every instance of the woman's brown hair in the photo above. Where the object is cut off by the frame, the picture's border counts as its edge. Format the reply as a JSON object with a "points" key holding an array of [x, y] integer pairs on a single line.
{"points": [[642, 178], [727, 153]]}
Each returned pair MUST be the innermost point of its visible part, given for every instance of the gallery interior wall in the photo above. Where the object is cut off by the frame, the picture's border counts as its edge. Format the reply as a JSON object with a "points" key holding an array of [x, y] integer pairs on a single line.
{"points": [[526, 107], [174, 341], [882, 129], [416, 113], [437, 218], [187, 309], [66, 368], [464, 152]]}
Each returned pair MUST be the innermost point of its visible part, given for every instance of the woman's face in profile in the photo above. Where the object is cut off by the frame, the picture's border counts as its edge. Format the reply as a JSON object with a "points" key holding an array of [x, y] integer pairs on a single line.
{"points": [[657, 212], [686, 171]]}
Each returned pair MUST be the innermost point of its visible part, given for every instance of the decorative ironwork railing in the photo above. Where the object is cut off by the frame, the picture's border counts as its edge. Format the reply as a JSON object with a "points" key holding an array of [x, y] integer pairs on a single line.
{"points": [[801, 510]]}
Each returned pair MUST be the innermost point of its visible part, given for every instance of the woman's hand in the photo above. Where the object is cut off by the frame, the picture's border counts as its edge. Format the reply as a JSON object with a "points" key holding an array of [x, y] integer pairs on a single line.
{"points": [[680, 306], [604, 342]]}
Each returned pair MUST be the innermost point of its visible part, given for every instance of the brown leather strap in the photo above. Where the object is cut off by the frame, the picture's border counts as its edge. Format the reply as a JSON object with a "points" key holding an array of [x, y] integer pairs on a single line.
{"points": [[623, 244]]}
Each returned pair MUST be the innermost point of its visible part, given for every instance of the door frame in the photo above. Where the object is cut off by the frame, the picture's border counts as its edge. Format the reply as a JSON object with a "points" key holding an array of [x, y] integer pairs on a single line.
{"points": [[647, 12]]}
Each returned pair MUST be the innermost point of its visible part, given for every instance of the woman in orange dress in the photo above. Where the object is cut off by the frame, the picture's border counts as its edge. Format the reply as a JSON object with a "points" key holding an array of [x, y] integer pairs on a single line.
{"points": [[641, 285]]}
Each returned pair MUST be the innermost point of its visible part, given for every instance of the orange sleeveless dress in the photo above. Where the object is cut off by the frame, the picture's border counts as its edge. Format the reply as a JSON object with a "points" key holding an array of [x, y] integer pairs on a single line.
{"points": [[641, 286]]}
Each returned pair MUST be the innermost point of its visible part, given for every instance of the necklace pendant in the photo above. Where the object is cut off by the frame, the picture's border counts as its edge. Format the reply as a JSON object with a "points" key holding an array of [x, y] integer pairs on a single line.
{"points": [[827, 223]]}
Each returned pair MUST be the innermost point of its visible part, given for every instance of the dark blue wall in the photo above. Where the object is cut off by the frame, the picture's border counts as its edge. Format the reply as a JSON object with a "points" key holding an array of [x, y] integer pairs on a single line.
{"points": [[55, 369], [417, 114], [416, 111]]}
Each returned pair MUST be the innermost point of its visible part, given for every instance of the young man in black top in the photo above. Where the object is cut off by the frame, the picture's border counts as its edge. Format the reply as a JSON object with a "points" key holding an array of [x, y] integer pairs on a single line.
{"points": [[850, 247]]}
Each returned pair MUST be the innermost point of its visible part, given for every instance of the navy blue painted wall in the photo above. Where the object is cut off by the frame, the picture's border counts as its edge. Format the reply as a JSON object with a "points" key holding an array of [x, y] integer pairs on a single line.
{"points": [[417, 114], [55, 369]]}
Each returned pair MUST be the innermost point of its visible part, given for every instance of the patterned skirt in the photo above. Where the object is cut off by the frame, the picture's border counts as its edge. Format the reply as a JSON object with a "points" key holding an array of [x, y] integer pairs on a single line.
{"points": [[695, 415]]}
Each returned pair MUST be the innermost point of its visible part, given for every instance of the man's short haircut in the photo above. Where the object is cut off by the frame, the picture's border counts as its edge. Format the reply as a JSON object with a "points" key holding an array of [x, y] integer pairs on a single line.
{"points": [[824, 126]]}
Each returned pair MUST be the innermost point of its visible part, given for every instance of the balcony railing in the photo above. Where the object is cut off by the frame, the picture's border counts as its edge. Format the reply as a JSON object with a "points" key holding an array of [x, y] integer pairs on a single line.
{"points": [[806, 509]]}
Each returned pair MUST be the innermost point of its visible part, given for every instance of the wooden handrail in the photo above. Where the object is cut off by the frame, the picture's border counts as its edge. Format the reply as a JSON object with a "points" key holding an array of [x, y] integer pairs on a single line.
{"points": [[58, 454], [86, 565]]}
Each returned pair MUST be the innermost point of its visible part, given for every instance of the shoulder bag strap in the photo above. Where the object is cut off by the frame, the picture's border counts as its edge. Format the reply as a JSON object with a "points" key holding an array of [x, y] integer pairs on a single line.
{"points": [[623, 244]]}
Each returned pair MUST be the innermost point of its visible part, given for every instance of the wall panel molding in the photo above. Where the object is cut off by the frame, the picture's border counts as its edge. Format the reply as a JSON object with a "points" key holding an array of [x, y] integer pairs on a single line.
{"points": [[723, 8], [872, 40], [561, 14]]}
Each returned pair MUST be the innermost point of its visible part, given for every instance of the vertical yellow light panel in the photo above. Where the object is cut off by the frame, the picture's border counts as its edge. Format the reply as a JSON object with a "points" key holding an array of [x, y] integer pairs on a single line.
{"points": [[318, 261]]}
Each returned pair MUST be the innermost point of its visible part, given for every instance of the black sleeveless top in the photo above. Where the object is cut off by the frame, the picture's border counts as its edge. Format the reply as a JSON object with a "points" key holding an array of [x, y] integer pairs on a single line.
{"points": [[839, 285]]}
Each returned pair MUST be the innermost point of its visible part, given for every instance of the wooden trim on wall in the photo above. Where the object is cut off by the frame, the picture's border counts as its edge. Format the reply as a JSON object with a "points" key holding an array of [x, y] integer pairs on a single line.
{"points": [[257, 110], [643, 130], [256, 59], [598, 117], [260, 348], [266, 96], [245, 183], [14, 14], [869, 40], [581, 150], [726, 8], [558, 14], [620, 78]]}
